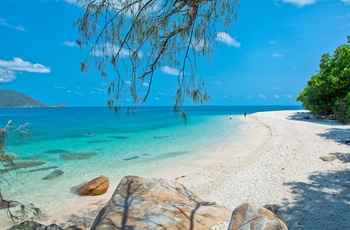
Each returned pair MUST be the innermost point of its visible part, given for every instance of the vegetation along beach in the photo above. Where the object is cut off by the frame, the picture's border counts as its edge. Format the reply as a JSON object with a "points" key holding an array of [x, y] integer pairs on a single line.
{"points": [[180, 114]]}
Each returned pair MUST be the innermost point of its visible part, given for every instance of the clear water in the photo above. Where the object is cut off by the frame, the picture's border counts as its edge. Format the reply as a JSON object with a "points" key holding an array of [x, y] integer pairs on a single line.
{"points": [[86, 142]]}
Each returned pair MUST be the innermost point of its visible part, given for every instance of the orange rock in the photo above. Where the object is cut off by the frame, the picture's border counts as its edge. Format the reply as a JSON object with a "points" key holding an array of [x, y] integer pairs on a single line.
{"points": [[95, 187]]}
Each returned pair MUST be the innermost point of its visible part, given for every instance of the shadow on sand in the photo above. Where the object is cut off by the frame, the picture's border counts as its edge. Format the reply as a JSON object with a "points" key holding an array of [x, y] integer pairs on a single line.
{"points": [[325, 199]]}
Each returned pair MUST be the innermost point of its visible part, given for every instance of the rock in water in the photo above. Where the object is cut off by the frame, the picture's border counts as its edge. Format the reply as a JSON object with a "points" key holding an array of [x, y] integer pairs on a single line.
{"points": [[95, 187], [248, 217], [146, 204], [54, 174]]}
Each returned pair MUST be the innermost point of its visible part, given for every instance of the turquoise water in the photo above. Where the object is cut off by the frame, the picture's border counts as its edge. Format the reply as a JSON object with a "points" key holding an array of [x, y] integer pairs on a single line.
{"points": [[86, 142]]}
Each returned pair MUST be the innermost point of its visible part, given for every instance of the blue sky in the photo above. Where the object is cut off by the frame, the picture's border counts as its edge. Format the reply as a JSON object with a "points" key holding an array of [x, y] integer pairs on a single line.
{"points": [[266, 58]]}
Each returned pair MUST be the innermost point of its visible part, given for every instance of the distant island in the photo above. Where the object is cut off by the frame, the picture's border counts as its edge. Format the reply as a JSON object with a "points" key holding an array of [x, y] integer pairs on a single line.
{"points": [[11, 98]]}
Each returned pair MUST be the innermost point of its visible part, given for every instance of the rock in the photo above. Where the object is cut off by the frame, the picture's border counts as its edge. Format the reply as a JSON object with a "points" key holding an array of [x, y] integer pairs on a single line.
{"points": [[248, 217], [77, 156], [329, 158], [7, 204], [32, 225], [272, 207], [53, 175], [140, 203], [95, 187]]}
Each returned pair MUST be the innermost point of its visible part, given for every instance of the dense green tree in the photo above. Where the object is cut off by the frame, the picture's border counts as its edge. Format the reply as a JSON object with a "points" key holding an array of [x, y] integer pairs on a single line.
{"points": [[133, 38], [328, 91]]}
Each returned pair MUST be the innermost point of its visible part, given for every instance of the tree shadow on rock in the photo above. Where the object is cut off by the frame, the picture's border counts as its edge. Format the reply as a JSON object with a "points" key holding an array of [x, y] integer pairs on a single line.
{"points": [[140, 203], [321, 203]]}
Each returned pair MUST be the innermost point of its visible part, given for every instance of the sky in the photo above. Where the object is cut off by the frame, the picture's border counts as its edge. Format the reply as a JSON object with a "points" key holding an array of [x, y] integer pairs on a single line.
{"points": [[266, 58]]}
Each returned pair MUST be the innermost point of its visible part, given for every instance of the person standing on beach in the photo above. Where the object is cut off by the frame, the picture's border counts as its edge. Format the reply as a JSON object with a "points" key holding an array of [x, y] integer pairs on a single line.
{"points": [[245, 114]]}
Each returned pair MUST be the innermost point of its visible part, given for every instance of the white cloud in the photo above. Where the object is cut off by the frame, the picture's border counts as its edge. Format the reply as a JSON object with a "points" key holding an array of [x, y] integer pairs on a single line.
{"points": [[9, 69], [276, 96], [78, 93], [145, 84], [7, 75], [272, 42], [289, 96], [60, 87], [169, 70], [262, 96], [110, 49], [4, 23], [277, 55], [300, 3], [70, 43], [227, 39], [156, 98], [346, 1], [275, 88], [20, 65], [128, 82], [98, 90]]}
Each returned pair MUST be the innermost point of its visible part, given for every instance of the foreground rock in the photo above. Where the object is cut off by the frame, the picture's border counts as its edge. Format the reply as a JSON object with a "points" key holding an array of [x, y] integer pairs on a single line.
{"points": [[32, 225], [140, 203], [248, 217], [95, 187]]}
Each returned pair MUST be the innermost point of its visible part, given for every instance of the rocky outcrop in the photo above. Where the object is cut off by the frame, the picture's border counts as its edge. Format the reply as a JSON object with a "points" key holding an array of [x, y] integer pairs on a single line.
{"points": [[95, 187], [32, 225], [140, 203], [248, 217]]}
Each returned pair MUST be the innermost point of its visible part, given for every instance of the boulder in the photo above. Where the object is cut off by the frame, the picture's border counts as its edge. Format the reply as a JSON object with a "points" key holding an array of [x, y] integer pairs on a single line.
{"points": [[248, 217], [32, 225], [95, 187], [329, 158], [140, 203]]}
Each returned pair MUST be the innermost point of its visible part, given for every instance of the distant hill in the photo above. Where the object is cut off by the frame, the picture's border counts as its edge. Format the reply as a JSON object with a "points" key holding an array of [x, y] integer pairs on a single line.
{"points": [[11, 98]]}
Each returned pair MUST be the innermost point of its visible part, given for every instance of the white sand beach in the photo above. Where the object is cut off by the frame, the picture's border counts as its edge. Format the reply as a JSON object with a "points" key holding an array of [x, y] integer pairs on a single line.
{"points": [[276, 160]]}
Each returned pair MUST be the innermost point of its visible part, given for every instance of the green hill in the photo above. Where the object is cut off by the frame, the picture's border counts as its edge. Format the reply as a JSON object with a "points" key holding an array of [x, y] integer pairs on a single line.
{"points": [[11, 98]]}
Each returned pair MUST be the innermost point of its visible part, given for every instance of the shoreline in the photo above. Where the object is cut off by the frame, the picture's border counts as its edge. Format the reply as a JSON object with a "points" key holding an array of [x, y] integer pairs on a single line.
{"points": [[275, 160]]}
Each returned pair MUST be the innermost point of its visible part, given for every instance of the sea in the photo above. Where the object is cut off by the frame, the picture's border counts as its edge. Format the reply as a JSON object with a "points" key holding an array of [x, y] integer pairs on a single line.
{"points": [[71, 145]]}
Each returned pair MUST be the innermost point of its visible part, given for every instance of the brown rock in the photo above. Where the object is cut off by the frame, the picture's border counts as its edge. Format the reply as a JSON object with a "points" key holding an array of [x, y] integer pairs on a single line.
{"points": [[248, 217], [95, 187], [140, 203]]}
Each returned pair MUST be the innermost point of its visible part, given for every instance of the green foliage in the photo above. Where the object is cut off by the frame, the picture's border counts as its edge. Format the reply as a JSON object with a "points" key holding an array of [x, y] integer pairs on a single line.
{"points": [[133, 38], [342, 109], [327, 92]]}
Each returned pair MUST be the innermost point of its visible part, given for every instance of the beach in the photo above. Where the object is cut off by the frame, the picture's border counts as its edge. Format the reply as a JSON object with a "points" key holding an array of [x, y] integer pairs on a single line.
{"points": [[274, 160]]}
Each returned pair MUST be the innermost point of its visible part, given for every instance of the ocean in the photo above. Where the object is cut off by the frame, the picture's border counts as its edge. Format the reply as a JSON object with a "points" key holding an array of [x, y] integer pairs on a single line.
{"points": [[72, 145]]}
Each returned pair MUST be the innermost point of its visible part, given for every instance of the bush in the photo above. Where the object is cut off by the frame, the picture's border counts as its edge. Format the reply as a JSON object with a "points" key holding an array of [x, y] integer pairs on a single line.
{"points": [[342, 110]]}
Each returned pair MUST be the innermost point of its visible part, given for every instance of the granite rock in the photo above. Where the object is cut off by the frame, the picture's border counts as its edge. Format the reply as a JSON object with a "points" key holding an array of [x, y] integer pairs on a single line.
{"points": [[140, 203], [248, 217]]}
